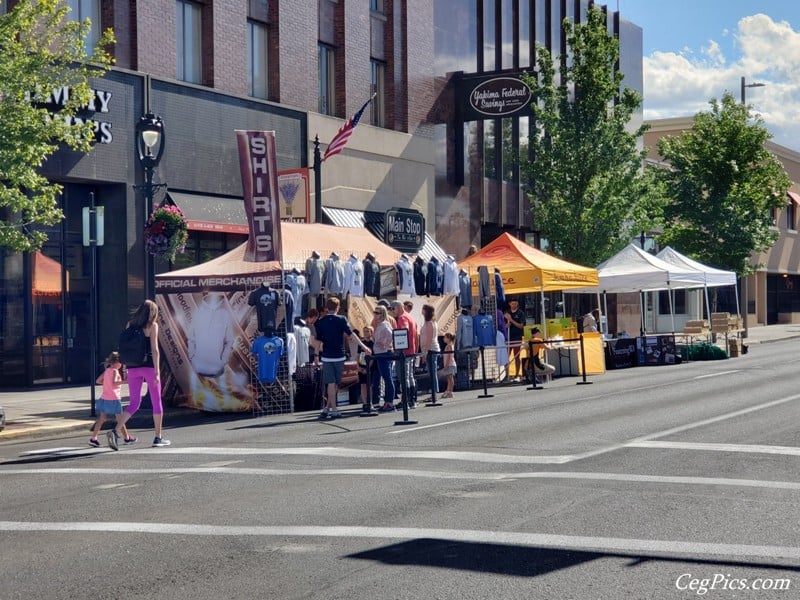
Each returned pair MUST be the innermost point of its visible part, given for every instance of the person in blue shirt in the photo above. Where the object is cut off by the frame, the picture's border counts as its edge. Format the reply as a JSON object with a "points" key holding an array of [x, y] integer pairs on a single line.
{"points": [[329, 339]]}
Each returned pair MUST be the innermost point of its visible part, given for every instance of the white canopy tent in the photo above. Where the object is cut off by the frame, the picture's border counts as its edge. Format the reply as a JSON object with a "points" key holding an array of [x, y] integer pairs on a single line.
{"points": [[634, 270], [712, 277]]}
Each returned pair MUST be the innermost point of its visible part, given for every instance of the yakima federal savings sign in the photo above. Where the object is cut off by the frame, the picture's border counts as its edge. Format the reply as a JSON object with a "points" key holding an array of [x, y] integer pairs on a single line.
{"points": [[492, 97], [404, 229]]}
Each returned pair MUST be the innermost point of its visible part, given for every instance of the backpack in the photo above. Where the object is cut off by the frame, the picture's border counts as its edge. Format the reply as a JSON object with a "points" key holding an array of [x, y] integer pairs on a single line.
{"points": [[133, 347]]}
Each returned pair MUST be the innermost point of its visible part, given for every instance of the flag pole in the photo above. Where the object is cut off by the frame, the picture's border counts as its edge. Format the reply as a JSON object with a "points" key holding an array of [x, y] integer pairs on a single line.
{"points": [[317, 182]]}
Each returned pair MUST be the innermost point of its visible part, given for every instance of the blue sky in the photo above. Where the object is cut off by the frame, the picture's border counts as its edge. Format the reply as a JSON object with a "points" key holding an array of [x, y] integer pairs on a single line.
{"points": [[695, 50]]}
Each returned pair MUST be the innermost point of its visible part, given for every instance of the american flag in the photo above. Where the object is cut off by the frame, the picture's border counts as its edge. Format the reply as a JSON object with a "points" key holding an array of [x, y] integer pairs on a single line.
{"points": [[339, 141]]}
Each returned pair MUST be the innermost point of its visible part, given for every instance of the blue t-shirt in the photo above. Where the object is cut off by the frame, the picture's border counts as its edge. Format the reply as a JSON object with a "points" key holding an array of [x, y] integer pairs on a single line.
{"points": [[484, 330], [331, 330], [268, 351]]}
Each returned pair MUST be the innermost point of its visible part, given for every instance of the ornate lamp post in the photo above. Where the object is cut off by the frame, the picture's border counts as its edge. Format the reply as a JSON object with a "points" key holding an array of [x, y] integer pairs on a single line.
{"points": [[150, 143]]}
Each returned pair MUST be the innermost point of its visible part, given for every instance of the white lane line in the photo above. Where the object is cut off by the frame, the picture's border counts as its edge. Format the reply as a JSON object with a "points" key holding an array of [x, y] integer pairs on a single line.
{"points": [[747, 448], [250, 472], [711, 420], [497, 476], [445, 423], [600, 544], [716, 374], [481, 457]]}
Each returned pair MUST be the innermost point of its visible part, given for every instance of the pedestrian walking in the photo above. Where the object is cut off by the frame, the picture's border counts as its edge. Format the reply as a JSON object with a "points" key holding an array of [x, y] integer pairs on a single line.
{"points": [[145, 319], [429, 346], [110, 403]]}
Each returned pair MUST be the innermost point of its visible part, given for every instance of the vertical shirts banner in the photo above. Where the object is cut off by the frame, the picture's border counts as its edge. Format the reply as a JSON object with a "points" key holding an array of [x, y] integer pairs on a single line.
{"points": [[258, 164]]}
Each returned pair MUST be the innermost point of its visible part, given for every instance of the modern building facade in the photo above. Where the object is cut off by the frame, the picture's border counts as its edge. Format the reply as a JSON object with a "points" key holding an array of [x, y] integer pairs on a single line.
{"points": [[300, 68]]}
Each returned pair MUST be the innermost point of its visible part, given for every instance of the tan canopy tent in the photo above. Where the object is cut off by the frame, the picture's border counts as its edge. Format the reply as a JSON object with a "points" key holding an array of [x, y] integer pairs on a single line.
{"points": [[525, 269]]}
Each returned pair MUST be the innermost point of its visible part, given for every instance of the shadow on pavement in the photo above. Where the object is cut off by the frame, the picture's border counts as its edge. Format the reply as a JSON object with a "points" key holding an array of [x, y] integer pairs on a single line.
{"points": [[521, 561]]}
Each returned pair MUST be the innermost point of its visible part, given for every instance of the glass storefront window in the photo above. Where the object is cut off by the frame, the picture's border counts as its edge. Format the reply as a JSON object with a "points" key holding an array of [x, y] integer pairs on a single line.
{"points": [[47, 277], [12, 318]]}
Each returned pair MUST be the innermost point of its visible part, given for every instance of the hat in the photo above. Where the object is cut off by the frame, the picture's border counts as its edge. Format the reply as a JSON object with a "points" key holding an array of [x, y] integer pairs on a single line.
{"points": [[395, 304], [383, 302]]}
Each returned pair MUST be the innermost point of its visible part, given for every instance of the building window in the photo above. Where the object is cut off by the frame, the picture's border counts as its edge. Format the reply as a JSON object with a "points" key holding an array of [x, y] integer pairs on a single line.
{"points": [[257, 63], [189, 41], [376, 6], [791, 222], [378, 106], [679, 298], [80, 10], [327, 80]]}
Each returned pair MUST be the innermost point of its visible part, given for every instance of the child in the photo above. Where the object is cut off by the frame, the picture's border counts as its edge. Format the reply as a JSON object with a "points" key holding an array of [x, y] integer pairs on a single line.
{"points": [[110, 402], [449, 363]]}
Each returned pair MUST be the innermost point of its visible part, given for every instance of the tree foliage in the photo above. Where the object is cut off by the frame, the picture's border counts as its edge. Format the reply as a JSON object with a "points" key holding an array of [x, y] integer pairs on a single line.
{"points": [[721, 187], [40, 52], [585, 175]]}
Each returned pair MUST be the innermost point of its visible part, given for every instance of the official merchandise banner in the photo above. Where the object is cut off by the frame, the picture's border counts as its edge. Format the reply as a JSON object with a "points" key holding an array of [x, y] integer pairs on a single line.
{"points": [[258, 163], [205, 337]]}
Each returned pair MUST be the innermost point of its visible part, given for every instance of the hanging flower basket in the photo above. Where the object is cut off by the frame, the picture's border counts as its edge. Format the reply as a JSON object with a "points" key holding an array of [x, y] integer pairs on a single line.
{"points": [[165, 232]]}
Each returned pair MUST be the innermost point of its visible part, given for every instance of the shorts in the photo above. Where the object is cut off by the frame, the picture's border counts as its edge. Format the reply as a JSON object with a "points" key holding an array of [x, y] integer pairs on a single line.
{"points": [[451, 370], [332, 372], [109, 407]]}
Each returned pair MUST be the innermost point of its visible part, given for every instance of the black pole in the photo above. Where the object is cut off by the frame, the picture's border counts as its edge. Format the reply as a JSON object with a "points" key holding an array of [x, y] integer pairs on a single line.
{"points": [[532, 368], [150, 266], [583, 365], [317, 181], [405, 391], [93, 302], [486, 393]]}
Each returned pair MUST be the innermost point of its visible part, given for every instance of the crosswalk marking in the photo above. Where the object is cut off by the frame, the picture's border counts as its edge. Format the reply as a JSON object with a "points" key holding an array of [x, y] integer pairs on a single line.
{"points": [[604, 544]]}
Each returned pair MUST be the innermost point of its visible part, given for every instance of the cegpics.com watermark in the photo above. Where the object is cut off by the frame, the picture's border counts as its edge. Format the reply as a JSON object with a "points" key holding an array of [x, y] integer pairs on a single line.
{"points": [[727, 582]]}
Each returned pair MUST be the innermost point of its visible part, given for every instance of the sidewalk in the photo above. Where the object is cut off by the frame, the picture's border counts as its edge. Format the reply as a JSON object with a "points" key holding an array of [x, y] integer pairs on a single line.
{"points": [[52, 411]]}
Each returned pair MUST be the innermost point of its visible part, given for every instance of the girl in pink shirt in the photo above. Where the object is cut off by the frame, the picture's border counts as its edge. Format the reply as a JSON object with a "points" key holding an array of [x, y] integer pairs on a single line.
{"points": [[110, 403]]}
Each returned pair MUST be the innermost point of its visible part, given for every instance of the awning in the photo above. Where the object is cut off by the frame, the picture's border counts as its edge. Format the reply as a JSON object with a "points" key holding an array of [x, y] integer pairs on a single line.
{"points": [[212, 213], [795, 197], [374, 223]]}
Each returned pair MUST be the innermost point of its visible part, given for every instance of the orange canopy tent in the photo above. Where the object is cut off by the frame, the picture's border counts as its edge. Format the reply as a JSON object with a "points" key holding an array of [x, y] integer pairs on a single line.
{"points": [[525, 269]]}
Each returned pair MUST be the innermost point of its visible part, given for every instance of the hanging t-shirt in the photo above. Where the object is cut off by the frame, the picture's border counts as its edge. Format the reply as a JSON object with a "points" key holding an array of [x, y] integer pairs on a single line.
{"points": [[483, 326], [266, 301], [268, 351]]}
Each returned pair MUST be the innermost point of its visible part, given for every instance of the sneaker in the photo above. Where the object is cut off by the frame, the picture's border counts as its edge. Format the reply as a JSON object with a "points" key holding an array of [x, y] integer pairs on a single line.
{"points": [[131, 440], [334, 414], [324, 413], [113, 439], [387, 407], [94, 443], [160, 442]]}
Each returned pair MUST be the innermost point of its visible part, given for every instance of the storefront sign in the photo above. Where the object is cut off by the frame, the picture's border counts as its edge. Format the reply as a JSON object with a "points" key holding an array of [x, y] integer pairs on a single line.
{"points": [[493, 97], [257, 160], [295, 195], [404, 229], [99, 102]]}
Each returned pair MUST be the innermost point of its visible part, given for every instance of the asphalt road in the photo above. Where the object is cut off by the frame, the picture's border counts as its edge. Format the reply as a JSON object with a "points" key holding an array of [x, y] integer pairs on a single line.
{"points": [[660, 482]]}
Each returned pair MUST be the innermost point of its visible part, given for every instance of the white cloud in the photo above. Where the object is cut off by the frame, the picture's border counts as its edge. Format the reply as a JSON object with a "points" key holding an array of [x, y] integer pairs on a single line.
{"points": [[681, 84]]}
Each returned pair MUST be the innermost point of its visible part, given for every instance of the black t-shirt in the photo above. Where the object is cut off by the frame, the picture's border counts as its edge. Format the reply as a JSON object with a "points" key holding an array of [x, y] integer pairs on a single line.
{"points": [[266, 302], [514, 332], [331, 330]]}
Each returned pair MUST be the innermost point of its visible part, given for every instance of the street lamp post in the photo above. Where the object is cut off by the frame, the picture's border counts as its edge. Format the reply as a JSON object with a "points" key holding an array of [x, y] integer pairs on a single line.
{"points": [[748, 85], [744, 290], [150, 143]]}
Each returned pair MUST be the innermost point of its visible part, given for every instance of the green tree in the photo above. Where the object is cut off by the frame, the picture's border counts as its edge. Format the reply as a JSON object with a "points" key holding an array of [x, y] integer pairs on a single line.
{"points": [[585, 176], [41, 51], [721, 187]]}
